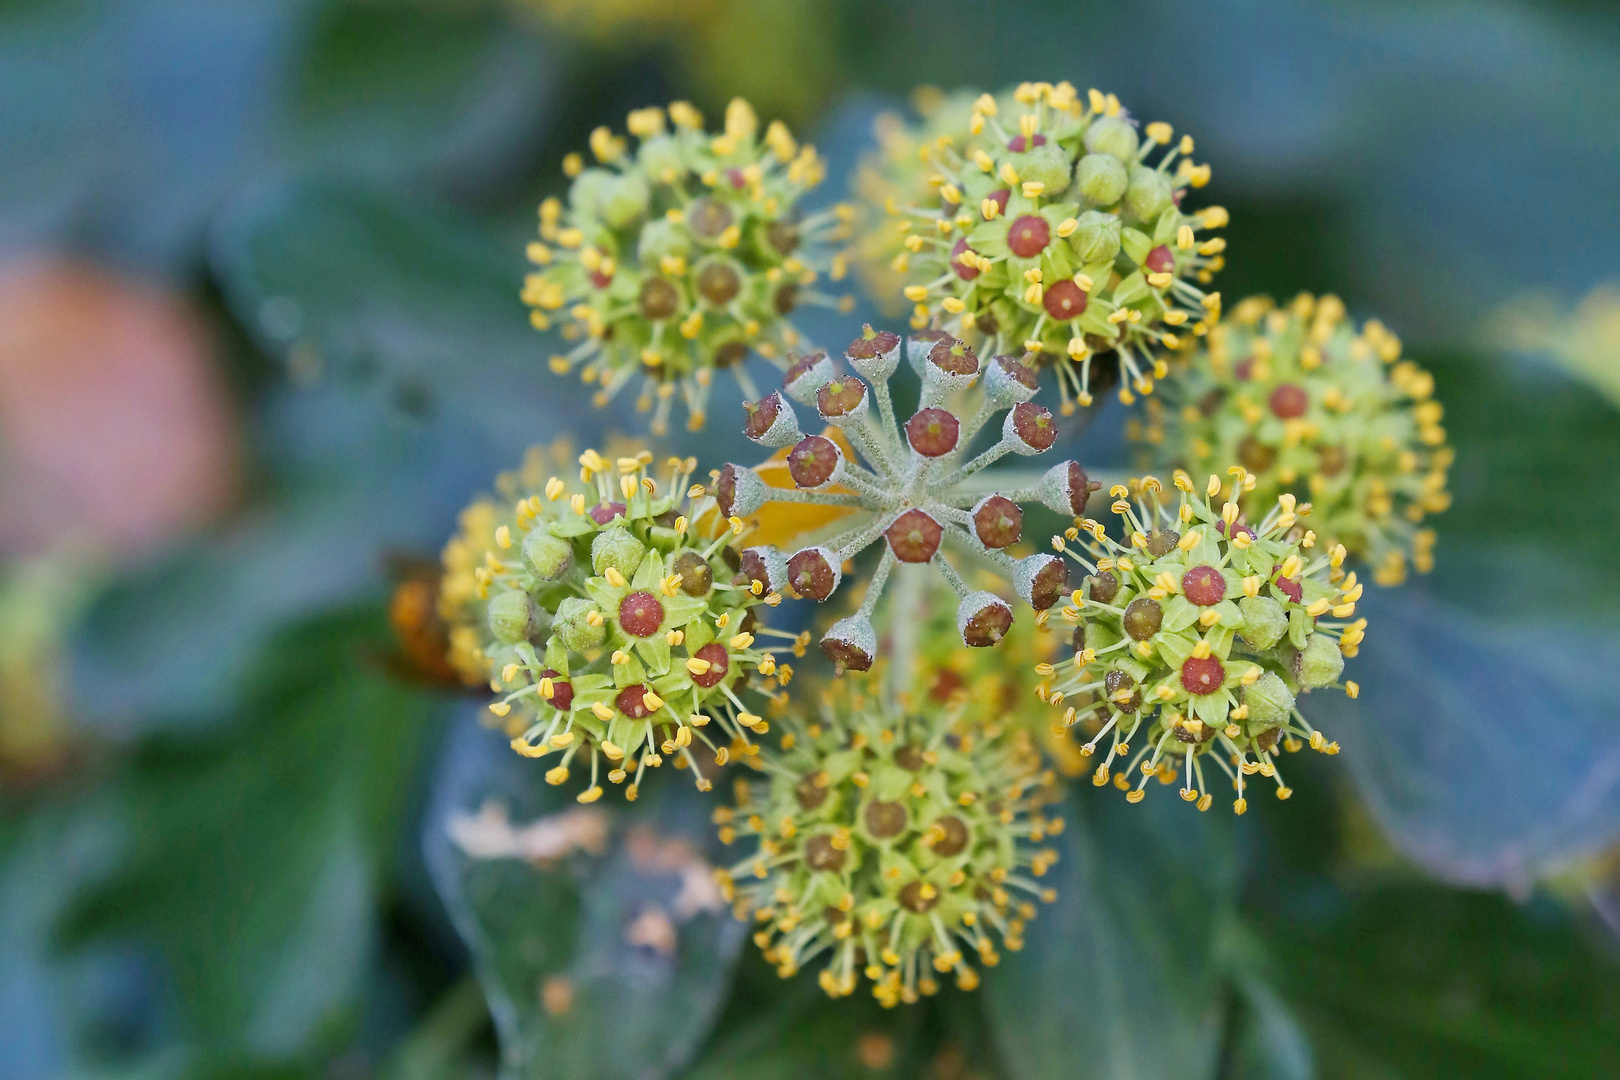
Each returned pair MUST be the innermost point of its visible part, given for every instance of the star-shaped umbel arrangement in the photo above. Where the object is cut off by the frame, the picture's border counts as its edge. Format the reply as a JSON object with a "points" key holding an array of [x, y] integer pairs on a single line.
{"points": [[907, 484]]}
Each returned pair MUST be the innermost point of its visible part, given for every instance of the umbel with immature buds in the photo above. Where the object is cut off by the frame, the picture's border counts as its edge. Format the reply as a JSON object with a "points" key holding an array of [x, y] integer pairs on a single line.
{"points": [[1052, 225], [894, 844], [1311, 406], [1198, 634], [682, 255], [610, 619], [912, 487]]}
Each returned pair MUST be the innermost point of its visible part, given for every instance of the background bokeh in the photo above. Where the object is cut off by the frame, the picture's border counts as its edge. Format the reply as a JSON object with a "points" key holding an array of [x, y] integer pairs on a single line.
{"points": [[260, 339]]}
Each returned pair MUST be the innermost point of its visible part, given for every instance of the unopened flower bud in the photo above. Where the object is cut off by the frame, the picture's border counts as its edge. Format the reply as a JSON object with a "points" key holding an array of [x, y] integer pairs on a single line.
{"points": [[513, 616], [1103, 179], [1270, 701], [547, 555], [617, 549], [1319, 663]]}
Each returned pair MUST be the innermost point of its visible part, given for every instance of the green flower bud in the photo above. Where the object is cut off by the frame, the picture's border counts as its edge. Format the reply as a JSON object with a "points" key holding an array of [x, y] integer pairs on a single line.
{"points": [[1112, 136], [616, 548], [1264, 621], [1269, 700], [624, 200], [585, 194], [660, 157], [1149, 194], [1097, 238], [663, 238], [1319, 663], [1102, 179], [548, 556], [1048, 165], [513, 617], [573, 627]]}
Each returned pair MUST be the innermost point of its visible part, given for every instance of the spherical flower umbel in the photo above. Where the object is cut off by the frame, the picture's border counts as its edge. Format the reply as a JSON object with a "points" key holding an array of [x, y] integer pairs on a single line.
{"points": [[1312, 406], [611, 620], [682, 255], [1048, 229], [897, 845], [1199, 634], [911, 488]]}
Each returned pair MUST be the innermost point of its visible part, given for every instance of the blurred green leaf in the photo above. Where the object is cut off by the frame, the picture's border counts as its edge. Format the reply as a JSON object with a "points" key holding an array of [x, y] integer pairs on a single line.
{"points": [[417, 379], [1536, 484], [256, 855], [775, 1029], [1415, 982], [1265, 1040], [1118, 978], [602, 943], [127, 122]]}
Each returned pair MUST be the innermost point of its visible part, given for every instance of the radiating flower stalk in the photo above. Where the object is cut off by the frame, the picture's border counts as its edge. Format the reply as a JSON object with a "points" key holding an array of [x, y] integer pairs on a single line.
{"points": [[609, 618], [1312, 406], [1050, 224], [911, 488], [894, 844], [683, 255], [1199, 634]]}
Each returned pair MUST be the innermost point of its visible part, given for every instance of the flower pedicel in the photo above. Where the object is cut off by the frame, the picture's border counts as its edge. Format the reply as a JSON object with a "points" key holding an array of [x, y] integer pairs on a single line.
{"points": [[912, 490]]}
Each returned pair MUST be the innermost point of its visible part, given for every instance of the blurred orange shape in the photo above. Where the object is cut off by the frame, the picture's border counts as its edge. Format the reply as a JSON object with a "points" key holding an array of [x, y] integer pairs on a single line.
{"points": [[114, 427]]}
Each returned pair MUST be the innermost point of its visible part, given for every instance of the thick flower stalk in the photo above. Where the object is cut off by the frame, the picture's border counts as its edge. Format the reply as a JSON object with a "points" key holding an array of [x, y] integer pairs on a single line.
{"points": [[610, 619], [682, 256], [1052, 225], [895, 844], [912, 488], [1194, 639], [1312, 406]]}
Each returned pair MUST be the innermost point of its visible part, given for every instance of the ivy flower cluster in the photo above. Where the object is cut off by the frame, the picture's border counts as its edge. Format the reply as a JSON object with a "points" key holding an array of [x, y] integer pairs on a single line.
{"points": [[610, 619], [912, 487], [1312, 406], [683, 255], [1199, 633], [895, 844], [1051, 224]]}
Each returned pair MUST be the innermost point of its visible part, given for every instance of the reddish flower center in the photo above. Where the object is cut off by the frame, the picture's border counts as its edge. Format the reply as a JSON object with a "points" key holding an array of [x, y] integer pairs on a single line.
{"points": [[998, 521], [606, 512], [719, 664], [1064, 300], [1288, 401], [641, 614], [914, 536], [632, 701], [1161, 260], [1202, 674], [811, 461], [1204, 586], [1033, 424], [1029, 236], [932, 432]]}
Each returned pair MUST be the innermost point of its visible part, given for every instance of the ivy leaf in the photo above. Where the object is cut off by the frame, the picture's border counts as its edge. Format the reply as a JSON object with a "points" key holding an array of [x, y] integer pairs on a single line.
{"points": [[602, 943], [255, 856], [1483, 746], [1118, 977], [105, 155], [1417, 981]]}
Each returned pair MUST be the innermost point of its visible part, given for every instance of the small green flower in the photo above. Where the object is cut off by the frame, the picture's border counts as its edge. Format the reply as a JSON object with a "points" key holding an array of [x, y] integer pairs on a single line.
{"points": [[683, 255], [1199, 633], [1035, 222], [610, 618], [892, 843], [1311, 406]]}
